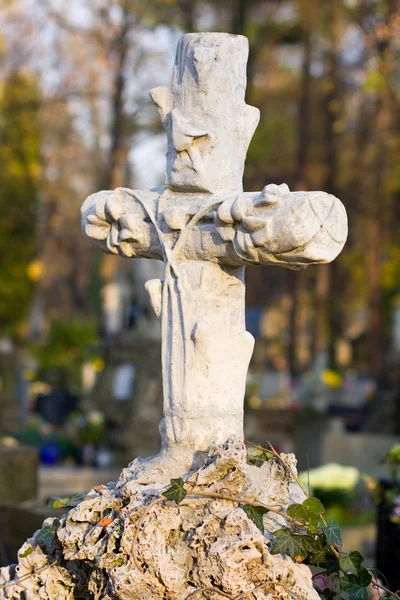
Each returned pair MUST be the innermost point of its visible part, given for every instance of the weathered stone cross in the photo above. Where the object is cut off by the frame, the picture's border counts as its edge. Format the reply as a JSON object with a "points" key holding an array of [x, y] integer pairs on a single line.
{"points": [[206, 230]]}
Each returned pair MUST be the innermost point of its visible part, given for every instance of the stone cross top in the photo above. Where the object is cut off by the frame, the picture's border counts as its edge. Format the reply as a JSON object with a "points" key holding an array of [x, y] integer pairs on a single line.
{"points": [[206, 230]]}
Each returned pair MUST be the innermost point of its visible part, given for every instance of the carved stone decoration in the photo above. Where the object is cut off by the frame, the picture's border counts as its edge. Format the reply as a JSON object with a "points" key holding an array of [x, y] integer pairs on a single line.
{"points": [[206, 230]]}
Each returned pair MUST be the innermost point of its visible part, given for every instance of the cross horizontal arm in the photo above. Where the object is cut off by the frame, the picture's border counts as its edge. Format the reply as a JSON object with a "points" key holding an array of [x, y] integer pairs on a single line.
{"points": [[276, 226]]}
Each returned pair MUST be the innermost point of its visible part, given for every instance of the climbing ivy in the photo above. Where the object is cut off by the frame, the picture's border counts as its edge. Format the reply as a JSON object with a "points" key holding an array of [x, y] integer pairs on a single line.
{"points": [[307, 538]]}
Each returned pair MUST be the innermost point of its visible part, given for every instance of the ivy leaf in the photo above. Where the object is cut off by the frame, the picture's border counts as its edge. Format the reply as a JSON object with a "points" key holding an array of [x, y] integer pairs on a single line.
{"points": [[27, 552], [58, 501], [310, 544], [308, 512], [256, 454], [332, 534], [313, 509], [315, 548], [364, 577], [286, 543], [256, 513], [319, 557], [77, 499], [351, 563], [45, 536], [67, 501], [327, 593], [356, 585], [177, 490], [296, 511], [331, 564]]}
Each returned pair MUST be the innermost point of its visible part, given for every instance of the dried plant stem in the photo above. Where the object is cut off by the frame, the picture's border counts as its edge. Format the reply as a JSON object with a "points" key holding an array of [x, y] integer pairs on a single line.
{"points": [[18, 580], [378, 586], [239, 500], [209, 589], [242, 595], [266, 583]]}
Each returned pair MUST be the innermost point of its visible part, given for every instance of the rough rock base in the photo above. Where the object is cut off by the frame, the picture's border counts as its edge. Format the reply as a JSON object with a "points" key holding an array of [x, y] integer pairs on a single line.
{"points": [[201, 548]]}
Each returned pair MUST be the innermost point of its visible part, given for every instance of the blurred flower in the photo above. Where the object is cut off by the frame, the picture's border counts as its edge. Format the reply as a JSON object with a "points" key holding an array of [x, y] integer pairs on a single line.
{"points": [[370, 483], [255, 402], [331, 378], [38, 387], [9, 441], [29, 374], [393, 456], [35, 270], [331, 477], [95, 417], [98, 364]]}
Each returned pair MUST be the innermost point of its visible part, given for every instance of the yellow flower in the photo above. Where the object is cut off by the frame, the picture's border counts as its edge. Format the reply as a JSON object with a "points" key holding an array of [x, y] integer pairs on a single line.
{"points": [[35, 270], [29, 374], [331, 378], [254, 402], [98, 364]]}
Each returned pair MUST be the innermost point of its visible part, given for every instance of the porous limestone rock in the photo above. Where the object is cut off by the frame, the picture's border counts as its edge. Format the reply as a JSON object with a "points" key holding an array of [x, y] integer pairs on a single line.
{"points": [[202, 543]]}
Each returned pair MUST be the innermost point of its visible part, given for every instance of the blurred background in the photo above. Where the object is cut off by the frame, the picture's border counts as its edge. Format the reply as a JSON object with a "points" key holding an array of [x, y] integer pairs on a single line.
{"points": [[80, 387]]}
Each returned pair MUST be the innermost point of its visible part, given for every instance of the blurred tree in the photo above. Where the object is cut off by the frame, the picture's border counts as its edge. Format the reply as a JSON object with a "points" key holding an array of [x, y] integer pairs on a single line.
{"points": [[20, 143]]}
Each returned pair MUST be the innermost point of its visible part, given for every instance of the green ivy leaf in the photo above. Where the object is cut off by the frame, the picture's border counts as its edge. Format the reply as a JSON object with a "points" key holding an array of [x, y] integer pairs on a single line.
{"points": [[319, 557], [256, 513], [256, 454], [45, 536], [27, 552], [67, 501], [332, 534], [351, 563], [287, 542], [356, 585], [77, 499], [58, 501], [364, 577], [308, 512], [310, 544], [177, 490], [331, 564], [330, 594], [296, 512]]}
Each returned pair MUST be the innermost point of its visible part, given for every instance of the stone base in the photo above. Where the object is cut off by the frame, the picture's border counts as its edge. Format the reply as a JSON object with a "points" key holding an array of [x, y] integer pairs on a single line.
{"points": [[110, 547]]}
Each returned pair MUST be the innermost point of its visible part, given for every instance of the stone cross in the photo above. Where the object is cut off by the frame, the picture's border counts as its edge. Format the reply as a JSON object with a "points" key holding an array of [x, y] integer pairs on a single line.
{"points": [[206, 230]]}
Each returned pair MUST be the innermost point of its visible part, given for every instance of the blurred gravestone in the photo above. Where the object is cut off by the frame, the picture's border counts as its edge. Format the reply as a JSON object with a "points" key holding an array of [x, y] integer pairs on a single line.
{"points": [[129, 393], [56, 406], [9, 410], [18, 473]]}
